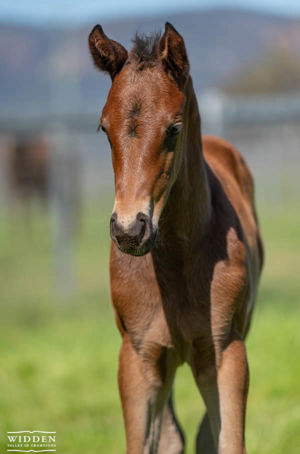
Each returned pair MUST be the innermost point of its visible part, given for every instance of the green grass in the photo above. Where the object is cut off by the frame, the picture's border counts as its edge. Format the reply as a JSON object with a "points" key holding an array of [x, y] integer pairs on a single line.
{"points": [[58, 356]]}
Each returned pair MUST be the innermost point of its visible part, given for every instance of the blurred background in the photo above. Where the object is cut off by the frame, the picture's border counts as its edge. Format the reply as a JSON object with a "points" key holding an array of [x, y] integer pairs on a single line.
{"points": [[58, 341]]}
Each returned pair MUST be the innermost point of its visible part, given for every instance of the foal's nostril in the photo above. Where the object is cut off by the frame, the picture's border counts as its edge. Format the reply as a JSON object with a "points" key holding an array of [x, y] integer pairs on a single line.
{"points": [[142, 217], [113, 219], [113, 223], [141, 223], [117, 231]]}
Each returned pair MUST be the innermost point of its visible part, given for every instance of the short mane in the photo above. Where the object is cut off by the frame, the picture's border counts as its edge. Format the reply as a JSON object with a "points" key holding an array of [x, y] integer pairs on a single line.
{"points": [[145, 47]]}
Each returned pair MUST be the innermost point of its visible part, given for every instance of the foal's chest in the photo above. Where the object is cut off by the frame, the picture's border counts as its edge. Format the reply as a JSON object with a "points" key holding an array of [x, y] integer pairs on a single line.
{"points": [[171, 304]]}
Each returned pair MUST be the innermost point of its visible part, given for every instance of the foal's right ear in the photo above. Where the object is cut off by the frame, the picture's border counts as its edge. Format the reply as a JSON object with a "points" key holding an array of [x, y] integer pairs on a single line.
{"points": [[108, 55]]}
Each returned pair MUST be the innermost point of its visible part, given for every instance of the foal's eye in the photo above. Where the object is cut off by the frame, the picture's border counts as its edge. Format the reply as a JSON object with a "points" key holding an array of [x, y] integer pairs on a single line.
{"points": [[174, 130], [102, 128]]}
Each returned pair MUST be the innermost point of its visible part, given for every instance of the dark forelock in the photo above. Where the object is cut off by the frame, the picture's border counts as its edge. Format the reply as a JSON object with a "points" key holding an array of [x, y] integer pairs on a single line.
{"points": [[145, 47]]}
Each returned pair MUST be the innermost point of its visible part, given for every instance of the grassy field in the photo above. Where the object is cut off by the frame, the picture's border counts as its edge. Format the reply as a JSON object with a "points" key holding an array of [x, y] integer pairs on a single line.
{"points": [[58, 356]]}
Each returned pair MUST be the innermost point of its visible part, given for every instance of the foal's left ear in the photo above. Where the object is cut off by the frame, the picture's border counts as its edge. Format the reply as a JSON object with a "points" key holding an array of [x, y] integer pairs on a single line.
{"points": [[108, 55], [173, 55]]}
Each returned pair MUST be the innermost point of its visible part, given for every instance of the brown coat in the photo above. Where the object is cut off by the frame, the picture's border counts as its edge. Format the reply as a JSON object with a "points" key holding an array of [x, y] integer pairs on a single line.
{"points": [[186, 253]]}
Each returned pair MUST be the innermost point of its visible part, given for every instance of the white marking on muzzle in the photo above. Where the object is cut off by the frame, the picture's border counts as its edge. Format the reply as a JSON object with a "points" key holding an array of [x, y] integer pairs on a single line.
{"points": [[127, 213]]}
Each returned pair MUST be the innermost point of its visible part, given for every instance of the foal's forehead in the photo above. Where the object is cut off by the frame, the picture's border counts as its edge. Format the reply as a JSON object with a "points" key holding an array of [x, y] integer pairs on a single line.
{"points": [[135, 93]]}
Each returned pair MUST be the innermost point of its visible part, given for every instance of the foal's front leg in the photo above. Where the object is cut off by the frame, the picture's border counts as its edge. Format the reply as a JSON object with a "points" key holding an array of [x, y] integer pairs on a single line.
{"points": [[225, 394], [233, 381], [145, 382], [172, 438]]}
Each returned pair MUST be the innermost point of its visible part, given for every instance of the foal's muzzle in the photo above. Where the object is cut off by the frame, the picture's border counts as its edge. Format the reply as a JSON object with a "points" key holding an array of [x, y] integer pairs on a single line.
{"points": [[137, 239]]}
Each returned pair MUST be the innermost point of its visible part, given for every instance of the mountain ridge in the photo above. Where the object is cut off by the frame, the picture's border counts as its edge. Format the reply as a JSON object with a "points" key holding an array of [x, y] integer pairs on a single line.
{"points": [[49, 68]]}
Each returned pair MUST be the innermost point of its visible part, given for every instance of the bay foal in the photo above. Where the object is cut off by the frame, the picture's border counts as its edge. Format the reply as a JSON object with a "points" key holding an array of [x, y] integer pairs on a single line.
{"points": [[186, 253]]}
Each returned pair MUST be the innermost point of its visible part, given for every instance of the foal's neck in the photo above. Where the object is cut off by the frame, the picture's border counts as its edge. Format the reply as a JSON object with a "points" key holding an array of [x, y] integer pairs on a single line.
{"points": [[188, 209]]}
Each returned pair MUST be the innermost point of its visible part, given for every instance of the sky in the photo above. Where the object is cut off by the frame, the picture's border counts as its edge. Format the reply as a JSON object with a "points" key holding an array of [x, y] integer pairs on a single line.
{"points": [[79, 11]]}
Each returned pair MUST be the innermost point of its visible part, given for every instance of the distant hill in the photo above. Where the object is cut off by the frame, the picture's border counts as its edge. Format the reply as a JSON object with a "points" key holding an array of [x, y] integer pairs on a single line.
{"points": [[275, 71], [44, 69]]}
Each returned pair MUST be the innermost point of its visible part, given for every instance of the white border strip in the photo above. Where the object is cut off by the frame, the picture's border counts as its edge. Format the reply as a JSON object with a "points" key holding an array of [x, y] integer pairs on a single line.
{"points": [[31, 450]]}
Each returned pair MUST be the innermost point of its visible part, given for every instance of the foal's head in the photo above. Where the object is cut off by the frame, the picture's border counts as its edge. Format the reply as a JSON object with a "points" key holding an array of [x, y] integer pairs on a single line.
{"points": [[143, 120]]}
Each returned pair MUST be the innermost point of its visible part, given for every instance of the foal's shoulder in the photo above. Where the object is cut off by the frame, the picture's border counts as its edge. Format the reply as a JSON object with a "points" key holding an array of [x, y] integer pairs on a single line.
{"points": [[228, 164], [233, 174]]}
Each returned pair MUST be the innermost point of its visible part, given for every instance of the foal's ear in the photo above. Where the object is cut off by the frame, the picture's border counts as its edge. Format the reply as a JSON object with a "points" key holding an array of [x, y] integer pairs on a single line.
{"points": [[173, 55], [108, 55]]}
